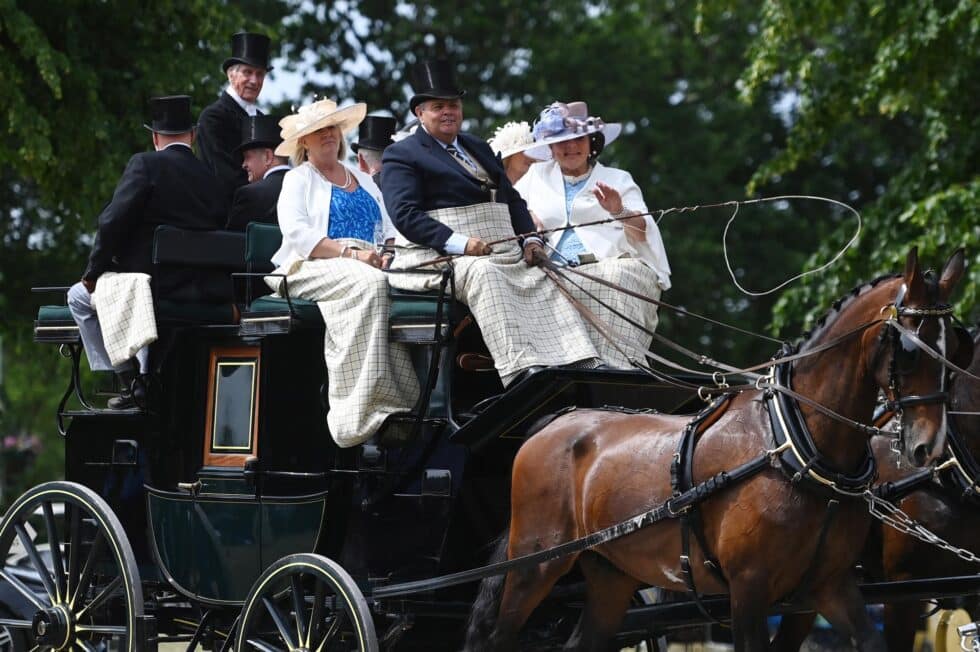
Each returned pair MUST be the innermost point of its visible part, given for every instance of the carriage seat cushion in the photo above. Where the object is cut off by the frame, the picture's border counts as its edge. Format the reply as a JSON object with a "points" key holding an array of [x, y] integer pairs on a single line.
{"points": [[54, 315], [406, 307]]}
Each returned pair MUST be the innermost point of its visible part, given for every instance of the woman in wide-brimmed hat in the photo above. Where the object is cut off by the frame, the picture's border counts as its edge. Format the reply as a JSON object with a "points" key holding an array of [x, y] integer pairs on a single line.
{"points": [[333, 219], [510, 142], [573, 189]]}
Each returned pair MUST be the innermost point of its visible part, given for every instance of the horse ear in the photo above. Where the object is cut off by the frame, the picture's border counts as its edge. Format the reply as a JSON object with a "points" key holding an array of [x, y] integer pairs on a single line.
{"points": [[952, 273], [964, 348], [913, 275]]}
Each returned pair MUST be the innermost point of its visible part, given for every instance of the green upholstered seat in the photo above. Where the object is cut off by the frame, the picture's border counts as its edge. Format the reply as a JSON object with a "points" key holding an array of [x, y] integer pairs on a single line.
{"points": [[54, 314], [54, 324], [306, 311]]}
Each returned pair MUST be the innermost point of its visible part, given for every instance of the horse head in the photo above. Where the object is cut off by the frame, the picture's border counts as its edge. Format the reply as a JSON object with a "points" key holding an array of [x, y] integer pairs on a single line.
{"points": [[919, 326]]}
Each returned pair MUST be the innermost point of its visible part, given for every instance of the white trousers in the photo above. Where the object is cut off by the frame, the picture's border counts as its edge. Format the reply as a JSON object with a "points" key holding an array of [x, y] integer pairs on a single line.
{"points": [[84, 314]]}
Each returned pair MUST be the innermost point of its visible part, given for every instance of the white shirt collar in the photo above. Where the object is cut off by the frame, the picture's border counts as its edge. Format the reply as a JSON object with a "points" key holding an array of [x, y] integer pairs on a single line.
{"points": [[455, 142], [275, 168], [250, 108], [169, 145]]}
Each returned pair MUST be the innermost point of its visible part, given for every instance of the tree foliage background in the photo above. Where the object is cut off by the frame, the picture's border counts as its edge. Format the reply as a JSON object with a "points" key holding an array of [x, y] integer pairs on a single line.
{"points": [[865, 101]]}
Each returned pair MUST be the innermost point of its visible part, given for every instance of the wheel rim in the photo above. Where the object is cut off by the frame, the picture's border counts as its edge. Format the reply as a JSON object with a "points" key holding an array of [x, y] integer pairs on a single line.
{"points": [[77, 576], [300, 608]]}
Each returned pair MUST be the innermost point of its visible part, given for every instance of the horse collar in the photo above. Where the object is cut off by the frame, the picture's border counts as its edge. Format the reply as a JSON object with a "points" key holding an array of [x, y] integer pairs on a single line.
{"points": [[800, 459], [963, 475]]}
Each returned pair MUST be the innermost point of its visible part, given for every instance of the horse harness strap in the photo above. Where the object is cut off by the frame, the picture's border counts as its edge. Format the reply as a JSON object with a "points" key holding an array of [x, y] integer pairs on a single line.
{"points": [[799, 458], [962, 471], [682, 480]]}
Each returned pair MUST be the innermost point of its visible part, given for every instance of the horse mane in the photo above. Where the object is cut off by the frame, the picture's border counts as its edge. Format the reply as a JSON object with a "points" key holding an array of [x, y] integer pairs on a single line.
{"points": [[837, 307]]}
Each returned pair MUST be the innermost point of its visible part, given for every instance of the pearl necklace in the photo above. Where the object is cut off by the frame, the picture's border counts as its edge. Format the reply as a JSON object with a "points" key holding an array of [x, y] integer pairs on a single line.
{"points": [[348, 178]]}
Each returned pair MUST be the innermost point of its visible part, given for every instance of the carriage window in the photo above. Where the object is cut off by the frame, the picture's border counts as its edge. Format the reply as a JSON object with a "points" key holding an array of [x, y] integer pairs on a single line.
{"points": [[232, 403]]}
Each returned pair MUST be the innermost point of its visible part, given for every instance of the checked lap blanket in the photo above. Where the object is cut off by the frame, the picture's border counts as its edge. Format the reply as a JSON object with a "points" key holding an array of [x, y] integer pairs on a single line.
{"points": [[524, 319], [368, 378]]}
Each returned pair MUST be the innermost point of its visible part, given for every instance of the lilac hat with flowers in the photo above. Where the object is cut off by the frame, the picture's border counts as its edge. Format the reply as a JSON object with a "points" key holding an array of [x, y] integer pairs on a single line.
{"points": [[560, 122]]}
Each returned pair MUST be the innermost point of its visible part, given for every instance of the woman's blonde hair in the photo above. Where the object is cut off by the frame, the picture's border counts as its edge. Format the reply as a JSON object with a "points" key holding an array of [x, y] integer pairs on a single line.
{"points": [[300, 155]]}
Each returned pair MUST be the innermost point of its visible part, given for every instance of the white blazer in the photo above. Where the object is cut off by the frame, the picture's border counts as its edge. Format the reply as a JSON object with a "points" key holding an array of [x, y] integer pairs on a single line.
{"points": [[543, 188], [304, 212]]}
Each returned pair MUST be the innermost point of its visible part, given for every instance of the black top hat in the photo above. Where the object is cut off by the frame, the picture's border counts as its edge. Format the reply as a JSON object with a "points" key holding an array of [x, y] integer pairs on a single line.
{"points": [[170, 115], [260, 131], [433, 80], [375, 133], [250, 49]]}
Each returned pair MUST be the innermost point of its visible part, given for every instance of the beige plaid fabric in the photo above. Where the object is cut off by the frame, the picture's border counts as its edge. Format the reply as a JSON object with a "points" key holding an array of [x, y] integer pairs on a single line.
{"points": [[368, 379], [524, 319], [633, 275], [124, 303]]}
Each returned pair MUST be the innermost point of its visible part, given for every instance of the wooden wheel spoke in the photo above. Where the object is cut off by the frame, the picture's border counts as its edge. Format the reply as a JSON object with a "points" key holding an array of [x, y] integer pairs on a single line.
{"points": [[280, 621], [103, 595], [36, 561], [115, 630], [339, 618], [74, 552], [54, 544], [259, 644], [299, 606], [319, 591], [84, 646], [22, 588], [89, 568]]}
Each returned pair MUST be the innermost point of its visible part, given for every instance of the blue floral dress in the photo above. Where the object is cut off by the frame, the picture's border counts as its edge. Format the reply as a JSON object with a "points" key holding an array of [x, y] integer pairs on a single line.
{"points": [[354, 215]]}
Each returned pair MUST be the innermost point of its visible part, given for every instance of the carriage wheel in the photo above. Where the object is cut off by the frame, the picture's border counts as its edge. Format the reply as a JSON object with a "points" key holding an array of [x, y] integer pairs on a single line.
{"points": [[309, 603], [69, 565]]}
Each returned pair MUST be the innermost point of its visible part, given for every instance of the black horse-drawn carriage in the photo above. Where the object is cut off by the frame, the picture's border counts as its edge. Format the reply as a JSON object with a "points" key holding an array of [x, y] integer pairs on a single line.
{"points": [[221, 513]]}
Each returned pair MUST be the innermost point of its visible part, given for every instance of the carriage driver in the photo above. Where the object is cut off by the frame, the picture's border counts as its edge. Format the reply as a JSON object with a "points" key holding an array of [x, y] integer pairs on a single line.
{"points": [[446, 191], [166, 186]]}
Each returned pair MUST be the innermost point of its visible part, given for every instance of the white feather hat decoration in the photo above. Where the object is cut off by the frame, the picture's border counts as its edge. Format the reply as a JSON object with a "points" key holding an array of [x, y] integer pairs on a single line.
{"points": [[511, 138]]}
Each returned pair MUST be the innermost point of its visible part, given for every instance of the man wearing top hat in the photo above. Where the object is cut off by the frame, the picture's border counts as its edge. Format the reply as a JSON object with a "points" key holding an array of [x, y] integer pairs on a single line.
{"points": [[220, 124], [373, 136], [166, 186], [256, 201], [447, 192]]}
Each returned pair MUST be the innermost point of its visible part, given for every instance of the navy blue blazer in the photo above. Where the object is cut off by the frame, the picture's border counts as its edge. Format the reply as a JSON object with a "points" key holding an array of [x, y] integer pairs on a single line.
{"points": [[419, 175]]}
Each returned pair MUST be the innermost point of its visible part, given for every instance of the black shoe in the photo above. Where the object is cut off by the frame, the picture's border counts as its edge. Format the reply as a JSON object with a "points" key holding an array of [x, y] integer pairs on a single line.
{"points": [[132, 394]]}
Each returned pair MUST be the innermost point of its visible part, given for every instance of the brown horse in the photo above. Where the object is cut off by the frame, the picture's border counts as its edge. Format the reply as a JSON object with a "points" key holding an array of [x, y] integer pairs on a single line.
{"points": [[941, 508], [591, 469]]}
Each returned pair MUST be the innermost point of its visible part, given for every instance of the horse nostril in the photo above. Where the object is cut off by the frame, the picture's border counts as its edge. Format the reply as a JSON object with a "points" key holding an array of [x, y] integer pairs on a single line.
{"points": [[920, 454]]}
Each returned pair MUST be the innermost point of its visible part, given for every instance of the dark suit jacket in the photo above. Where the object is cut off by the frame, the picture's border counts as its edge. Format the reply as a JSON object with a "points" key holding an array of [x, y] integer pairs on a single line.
{"points": [[172, 187], [219, 132], [419, 175], [256, 202]]}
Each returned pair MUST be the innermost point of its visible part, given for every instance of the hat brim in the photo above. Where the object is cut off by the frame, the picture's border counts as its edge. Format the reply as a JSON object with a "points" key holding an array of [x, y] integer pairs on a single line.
{"points": [[346, 117], [257, 144], [542, 148], [434, 95], [230, 61], [526, 149], [169, 132]]}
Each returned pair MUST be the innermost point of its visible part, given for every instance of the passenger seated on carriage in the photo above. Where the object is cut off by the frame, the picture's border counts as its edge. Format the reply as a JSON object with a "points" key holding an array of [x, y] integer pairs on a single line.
{"points": [[447, 193], [510, 142], [574, 188], [112, 304], [332, 216]]}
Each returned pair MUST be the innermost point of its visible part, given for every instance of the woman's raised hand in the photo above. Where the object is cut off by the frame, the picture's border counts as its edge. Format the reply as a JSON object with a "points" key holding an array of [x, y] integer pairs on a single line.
{"points": [[609, 198]]}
